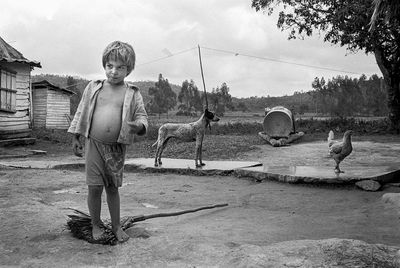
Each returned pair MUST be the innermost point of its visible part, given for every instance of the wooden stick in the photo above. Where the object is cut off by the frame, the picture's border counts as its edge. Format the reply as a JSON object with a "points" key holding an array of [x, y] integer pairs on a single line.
{"points": [[159, 215], [202, 76], [84, 216]]}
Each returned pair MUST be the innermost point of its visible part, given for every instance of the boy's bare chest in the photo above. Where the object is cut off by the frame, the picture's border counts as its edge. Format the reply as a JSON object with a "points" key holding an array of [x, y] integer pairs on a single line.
{"points": [[110, 98]]}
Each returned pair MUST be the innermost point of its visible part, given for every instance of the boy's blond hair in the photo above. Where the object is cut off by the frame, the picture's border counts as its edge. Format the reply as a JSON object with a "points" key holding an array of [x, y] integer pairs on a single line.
{"points": [[118, 50]]}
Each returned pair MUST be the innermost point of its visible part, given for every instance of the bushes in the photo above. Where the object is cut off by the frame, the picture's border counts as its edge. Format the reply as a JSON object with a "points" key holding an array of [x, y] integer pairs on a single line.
{"points": [[236, 128], [230, 128], [358, 126], [308, 126]]}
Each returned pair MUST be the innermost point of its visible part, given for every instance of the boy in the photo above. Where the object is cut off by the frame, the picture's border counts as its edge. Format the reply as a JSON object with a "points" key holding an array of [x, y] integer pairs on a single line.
{"points": [[110, 112]]}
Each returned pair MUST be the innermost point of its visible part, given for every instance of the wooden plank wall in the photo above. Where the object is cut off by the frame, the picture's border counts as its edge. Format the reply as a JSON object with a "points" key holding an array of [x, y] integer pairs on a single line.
{"points": [[39, 96], [21, 119], [58, 110]]}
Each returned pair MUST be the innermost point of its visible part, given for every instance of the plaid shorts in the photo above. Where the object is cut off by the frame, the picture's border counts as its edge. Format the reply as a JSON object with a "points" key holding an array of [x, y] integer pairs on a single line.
{"points": [[104, 162]]}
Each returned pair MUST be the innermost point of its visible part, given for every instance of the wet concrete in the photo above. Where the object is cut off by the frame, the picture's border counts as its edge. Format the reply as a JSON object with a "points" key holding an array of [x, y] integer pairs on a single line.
{"points": [[322, 174], [246, 169], [173, 163], [130, 164]]}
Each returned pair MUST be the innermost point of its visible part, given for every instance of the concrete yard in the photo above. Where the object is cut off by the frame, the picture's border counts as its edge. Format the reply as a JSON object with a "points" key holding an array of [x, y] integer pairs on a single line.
{"points": [[267, 223]]}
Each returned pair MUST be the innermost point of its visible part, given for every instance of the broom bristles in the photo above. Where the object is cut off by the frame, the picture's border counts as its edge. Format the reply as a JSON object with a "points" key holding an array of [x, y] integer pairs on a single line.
{"points": [[80, 226]]}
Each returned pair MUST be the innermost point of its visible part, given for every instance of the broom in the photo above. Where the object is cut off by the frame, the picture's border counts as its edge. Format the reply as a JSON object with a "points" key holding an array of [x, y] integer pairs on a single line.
{"points": [[80, 224]]}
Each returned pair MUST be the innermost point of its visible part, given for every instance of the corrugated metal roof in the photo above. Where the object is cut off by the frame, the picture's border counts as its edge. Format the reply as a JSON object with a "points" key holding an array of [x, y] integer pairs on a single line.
{"points": [[45, 83], [10, 54]]}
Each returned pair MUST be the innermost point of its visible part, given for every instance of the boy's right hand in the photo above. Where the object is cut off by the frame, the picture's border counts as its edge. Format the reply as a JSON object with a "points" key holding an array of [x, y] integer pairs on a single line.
{"points": [[77, 146]]}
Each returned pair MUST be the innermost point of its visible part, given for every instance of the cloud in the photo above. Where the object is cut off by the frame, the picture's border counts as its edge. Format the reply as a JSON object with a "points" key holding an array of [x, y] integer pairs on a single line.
{"points": [[68, 37]]}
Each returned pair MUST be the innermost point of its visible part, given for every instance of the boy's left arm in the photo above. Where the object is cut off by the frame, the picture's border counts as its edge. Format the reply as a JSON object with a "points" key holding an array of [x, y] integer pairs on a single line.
{"points": [[139, 124]]}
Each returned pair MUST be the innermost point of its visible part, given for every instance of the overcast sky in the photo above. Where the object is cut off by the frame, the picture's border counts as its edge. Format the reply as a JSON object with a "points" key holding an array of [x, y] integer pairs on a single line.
{"points": [[239, 46]]}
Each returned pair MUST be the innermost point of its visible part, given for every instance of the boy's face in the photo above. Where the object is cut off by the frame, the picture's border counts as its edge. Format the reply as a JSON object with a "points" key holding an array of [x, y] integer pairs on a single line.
{"points": [[116, 71]]}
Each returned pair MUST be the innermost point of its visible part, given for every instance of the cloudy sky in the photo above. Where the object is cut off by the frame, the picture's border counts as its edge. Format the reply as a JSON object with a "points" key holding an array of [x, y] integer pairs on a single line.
{"points": [[239, 46]]}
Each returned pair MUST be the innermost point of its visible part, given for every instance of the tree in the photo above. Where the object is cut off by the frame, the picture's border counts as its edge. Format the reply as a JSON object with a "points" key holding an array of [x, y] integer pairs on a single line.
{"points": [[340, 96], [346, 22], [190, 99], [225, 96], [164, 98], [390, 9], [220, 98], [320, 95], [374, 92]]}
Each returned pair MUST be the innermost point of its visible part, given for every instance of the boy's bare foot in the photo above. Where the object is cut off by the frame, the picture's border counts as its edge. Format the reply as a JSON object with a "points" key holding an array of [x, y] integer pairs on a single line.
{"points": [[121, 235], [97, 233]]}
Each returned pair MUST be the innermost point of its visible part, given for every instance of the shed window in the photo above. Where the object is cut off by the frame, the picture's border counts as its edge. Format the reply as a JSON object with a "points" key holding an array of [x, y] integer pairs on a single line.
{"points": [[8, 90]]}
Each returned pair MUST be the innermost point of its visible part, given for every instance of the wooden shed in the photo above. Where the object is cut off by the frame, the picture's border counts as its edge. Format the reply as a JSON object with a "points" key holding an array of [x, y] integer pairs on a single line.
{"points": [[15, 93], [51, 105]]}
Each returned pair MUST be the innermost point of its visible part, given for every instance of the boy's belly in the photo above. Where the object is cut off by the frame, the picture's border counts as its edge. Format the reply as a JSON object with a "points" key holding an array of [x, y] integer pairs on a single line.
{"points": [[106, 125]]}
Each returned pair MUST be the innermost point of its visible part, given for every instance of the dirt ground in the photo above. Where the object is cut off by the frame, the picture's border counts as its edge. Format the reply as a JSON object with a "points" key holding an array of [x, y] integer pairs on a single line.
{"points": [[33, 213]]}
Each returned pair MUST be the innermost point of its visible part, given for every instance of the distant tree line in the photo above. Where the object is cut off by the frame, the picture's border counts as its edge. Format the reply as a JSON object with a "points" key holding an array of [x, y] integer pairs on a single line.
{"points": [[189, 101], [340, 96], [344, 96]]}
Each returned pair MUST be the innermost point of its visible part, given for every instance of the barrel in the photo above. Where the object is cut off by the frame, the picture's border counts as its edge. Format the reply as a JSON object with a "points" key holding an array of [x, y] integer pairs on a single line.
{"points": [[278, 122]]}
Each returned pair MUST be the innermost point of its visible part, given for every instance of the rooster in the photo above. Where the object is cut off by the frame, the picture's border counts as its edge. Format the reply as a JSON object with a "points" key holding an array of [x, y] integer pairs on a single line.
{"points": [[340, 150]]}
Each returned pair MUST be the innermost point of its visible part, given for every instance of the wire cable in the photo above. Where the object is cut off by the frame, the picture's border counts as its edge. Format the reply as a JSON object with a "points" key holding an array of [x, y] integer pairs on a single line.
{"points": [[280, 61], [169, 56], [251, 56]]}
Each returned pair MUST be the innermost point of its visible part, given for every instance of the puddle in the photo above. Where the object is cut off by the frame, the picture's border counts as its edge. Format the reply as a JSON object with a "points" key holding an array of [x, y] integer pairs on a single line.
{"points": [[61, 191], [66, 191], [147, 205]]}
